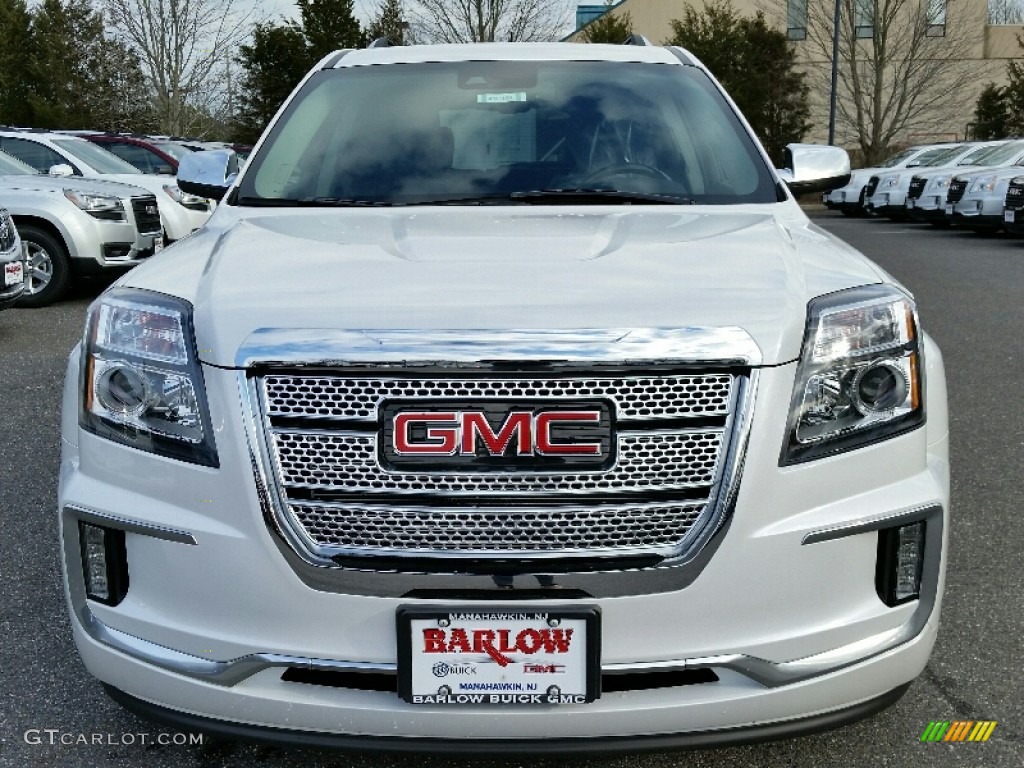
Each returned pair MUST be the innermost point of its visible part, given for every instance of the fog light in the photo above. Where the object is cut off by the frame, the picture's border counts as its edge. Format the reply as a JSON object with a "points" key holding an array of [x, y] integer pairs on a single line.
{"points": [[900, 561], [104, 563]]}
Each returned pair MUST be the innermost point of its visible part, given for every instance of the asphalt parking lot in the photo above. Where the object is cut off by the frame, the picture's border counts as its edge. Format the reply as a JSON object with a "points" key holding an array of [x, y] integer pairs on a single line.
{"points": [[970, 292]]}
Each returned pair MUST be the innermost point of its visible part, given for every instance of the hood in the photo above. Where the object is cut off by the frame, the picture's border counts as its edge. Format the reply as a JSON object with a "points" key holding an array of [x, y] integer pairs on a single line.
{"points": [[490, 268], [45, 183]]}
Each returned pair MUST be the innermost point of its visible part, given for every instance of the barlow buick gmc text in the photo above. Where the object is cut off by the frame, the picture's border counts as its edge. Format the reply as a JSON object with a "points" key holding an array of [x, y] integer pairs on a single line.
{"points": [[507, 382]]}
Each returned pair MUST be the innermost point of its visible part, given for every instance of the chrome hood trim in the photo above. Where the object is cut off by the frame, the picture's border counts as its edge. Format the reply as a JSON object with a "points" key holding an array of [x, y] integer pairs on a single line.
{"points": [[328, 347]]}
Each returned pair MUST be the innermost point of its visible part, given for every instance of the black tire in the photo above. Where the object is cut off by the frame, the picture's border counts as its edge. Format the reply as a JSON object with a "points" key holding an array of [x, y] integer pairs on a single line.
{"points": [[849, 212], [48, 267]]}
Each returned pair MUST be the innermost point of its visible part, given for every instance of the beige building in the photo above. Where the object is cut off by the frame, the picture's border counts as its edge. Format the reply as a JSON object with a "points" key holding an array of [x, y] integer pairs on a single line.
{"points": [[959, 52]]}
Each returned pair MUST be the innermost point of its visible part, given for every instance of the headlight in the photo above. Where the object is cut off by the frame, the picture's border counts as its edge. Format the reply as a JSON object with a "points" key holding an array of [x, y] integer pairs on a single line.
{"points": [[984, 184], [141, 381], [8, 236], [860, 374], [892, 181], [940, 181], [104, 207], [194, 202]]}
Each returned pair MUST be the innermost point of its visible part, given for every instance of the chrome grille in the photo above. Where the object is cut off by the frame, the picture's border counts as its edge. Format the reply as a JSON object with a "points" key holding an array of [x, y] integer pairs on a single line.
{"points": [[320, 432], [1015, 197], [523, 530], [653, 397], [872, 185], [917, 186], [957, 187], [347, 462], [147, 215]]}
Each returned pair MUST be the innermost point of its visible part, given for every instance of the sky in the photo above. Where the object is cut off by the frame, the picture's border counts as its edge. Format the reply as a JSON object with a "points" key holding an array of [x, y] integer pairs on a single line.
{"points": [[286, 8]]}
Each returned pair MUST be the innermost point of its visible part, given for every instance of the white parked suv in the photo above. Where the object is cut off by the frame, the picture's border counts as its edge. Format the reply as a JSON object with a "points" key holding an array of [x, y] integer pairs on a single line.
{"points": [[929, 188], [181, 213], [508, 402], [74, 227], [851, 198], [891, 188]]}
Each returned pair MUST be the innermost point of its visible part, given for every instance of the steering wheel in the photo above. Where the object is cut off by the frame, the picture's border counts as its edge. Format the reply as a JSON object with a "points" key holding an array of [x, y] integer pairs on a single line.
{"points": [[626, 169]]}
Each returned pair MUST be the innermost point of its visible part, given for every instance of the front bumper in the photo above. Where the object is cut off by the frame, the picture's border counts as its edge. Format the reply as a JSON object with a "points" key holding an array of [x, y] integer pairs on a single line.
{"points": [[215, 612], [978, 212], [846, 199], [892, 204], [96, 245], [928, 207]]}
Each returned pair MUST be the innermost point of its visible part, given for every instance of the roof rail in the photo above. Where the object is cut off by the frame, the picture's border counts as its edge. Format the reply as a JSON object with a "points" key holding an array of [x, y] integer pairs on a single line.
{"points": [[636, 39], [381, 42]]}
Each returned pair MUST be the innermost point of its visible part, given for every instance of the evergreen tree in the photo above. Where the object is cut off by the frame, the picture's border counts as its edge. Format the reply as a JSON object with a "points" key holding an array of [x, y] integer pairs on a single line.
{"points": [[329, 25], [80, 77], [609, 28], [272, 64], [755, 64], [15, 78], [991, 114], [389, 21]]}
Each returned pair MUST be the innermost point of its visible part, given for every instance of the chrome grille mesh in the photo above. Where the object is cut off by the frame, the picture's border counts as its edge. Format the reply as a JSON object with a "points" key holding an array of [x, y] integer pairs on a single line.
{"points": [[647, 397], [657, 492], [526, 530], [345, 461]]}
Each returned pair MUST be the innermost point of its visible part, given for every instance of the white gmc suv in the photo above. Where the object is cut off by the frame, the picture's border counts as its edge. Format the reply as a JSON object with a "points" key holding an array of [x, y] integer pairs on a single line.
{"points": [[508, 401]]}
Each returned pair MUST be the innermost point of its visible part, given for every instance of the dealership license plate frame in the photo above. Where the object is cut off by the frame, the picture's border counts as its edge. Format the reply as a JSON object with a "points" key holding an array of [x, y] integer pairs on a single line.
{"points": [[14, 273], [588, 618]]}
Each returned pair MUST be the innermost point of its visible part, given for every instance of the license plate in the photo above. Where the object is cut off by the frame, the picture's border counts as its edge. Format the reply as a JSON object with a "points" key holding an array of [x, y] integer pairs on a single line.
{"points": [[492, 656], [949, 209], [910, 203], [158, 244], [14, 273], [1008, 216]]}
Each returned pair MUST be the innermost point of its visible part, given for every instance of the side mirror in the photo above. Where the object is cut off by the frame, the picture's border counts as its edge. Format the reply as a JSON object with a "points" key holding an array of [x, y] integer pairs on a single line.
{"points": [[61, 169], [815, 168], [208, 174]]}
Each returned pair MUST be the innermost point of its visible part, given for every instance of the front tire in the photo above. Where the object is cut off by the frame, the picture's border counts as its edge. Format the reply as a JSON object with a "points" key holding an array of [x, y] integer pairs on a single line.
{"points": [[49, 269]]}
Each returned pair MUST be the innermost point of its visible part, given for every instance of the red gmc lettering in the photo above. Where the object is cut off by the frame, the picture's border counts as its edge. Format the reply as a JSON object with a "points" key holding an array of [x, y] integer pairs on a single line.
{"points": [[445, 438], [474, 424], [547, 448]]}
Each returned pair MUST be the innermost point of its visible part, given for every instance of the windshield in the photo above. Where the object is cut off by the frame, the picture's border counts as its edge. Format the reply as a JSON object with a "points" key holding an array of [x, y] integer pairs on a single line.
{"points": [[177, 151], [1001, 155], [12, 166], [937, 157], [96, 157], [472, 132], [899, 158], [972, 158]]}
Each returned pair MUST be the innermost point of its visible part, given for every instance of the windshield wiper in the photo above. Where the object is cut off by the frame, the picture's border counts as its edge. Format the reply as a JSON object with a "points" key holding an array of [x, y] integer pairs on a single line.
{"points": [[343, 202], [584, 196]]}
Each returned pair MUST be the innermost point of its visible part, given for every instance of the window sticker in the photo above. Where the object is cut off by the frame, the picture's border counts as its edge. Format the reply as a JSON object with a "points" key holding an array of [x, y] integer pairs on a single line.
{"points": [[499, 98]]}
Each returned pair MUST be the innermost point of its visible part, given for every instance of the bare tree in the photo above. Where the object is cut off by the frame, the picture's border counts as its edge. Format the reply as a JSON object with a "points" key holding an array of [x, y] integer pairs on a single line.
{"points": [[185, 48], [904, 66], [486, 21]]}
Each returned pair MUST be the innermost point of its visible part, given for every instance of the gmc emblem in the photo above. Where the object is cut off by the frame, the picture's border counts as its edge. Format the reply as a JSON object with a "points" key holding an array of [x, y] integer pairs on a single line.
{"points": [[509, 435]]}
